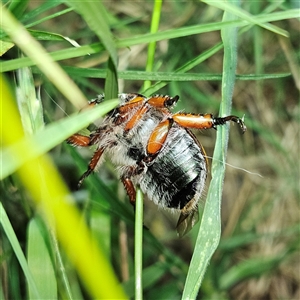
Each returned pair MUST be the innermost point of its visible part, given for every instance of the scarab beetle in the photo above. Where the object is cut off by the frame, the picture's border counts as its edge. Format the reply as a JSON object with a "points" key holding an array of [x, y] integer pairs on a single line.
{"points": [[155, 149]]}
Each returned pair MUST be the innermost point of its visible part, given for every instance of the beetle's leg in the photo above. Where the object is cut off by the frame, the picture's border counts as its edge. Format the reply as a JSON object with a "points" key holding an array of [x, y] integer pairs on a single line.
{"points": [[205, 121], [160, 101], [155, 101], [79, 140], [222, 121], [127, 182], [135, 102], [158, 137], [136, 117], [86, 141], [123, 112], [92, 165], [129, 187]]}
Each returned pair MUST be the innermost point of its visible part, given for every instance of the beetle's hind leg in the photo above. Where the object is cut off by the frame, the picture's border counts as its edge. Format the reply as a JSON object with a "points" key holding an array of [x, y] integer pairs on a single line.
{"points": [[130, 189], [205, 121], [222, 121], [126, 176]]}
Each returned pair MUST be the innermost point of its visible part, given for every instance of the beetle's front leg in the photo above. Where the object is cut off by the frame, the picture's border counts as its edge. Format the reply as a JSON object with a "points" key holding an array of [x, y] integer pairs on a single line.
{"points": [[205, 121], [79, 140]]}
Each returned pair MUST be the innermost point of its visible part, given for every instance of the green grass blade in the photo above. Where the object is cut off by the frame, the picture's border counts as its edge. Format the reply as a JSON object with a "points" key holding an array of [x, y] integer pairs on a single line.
{"points": [[94, 14], [248, 269], [40, 57], [30, 107], [7, 227], [146, 38], [237, 11], [138, 245], [210, 229], [39, 175], [53, 134], [18, 7], [61, 266], [152, 45], [52, 16], [51, 36], [111, 83], [40, 264], [177, 75], [151, 275]]}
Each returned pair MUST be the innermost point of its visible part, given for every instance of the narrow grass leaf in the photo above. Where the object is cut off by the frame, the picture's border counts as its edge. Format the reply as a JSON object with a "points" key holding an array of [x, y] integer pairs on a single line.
{"points": [[41, 58], [30, 107], [17, 63], [146, 38], [138, 245], [51, 36], [40, 10], [100, 227], [177, 75], [40, 264], [250, 268], [62, 270], [18, 7], [48, 138], [151, 275], [8, 229], [5, 46], [151, 47], [210, 228], [111, 82], [237, 11], [39, 175], [94, 14], [49, 17]]}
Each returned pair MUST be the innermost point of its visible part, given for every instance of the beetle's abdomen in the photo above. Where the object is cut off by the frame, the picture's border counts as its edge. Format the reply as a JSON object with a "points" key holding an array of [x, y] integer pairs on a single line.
{"points": [[177, 175]]}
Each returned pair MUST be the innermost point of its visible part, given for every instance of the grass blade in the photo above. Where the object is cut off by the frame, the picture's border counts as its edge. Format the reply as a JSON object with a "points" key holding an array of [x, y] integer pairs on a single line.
{"points": [[237, 11], [94, 14], [41, 58], [152, 45], [210, 229], [138, 245], [111, 82], [53, 134], [39, 175], [150, 37], [38, 255], [4, 221]]}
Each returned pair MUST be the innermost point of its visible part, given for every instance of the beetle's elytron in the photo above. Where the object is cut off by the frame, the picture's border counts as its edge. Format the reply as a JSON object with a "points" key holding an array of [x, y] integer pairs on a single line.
{"points": [[155, 150]]}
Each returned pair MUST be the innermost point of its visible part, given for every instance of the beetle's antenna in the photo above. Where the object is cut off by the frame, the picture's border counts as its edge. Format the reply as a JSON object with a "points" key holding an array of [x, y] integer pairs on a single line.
{"points": [[56, 103], [235, 167]]}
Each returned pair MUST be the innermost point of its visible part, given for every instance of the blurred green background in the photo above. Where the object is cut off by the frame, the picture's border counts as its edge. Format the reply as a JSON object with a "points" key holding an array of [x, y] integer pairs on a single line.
{"points": [[258, 256]]}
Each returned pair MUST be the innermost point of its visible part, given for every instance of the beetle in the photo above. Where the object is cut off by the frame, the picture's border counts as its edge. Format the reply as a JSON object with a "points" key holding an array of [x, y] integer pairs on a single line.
{"points": [[154, 149]]}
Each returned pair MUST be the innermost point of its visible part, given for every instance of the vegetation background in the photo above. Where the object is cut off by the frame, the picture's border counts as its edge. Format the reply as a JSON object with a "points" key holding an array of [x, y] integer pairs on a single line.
{"points": [[258, 255]]}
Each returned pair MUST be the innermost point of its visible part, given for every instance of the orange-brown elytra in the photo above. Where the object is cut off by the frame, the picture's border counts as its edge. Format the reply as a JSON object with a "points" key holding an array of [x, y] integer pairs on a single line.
{"points": [[158, 137], [155, 149]]}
